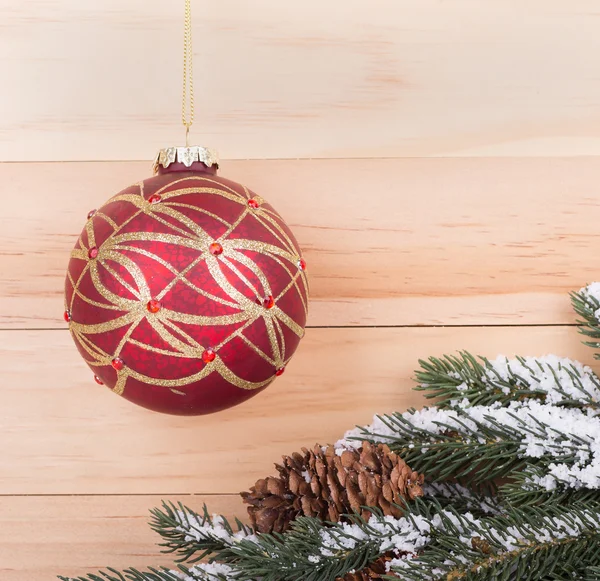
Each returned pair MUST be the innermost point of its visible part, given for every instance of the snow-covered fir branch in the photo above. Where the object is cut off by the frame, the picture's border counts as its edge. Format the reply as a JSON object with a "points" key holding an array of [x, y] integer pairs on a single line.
{"points": [[482, 443], [586, 303], [524, 545], [201, 572], [464, 499], [480, 381], [152, 574], [428, 543], [207, 572], [591, 574], [194, 536]]}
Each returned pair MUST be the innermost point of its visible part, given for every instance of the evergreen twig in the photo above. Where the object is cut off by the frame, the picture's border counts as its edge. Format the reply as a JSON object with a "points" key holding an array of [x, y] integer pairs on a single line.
{"points": [[479, 501], [430, 542], [479, 381], [128, 575], [194, 536], [541, 543], [482, 443], [587, 305]]}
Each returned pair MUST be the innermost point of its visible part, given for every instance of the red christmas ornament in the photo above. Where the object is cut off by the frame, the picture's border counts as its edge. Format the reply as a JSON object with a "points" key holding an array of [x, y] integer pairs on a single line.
{"points": [[184, 297]]}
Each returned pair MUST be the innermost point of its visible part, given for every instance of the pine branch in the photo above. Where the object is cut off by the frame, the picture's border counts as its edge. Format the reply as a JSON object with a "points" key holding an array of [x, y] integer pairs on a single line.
{"points": [[525, 545], [202, 572], [479, 381], [586, 304], [591, 574], [194, 536], [129, 575], [479, 444], [533, 487], [481, 501], [310, 550], [429, 542]]}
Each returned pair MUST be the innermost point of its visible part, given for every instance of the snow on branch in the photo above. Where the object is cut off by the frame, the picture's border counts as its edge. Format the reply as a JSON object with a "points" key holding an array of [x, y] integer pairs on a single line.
{"points": [[547, 539], [551, 379], [482, 443]]}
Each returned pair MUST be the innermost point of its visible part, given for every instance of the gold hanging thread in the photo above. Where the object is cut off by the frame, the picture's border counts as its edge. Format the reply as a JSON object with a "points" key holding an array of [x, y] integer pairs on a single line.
{"points": [[187, 107], [187, 155]]}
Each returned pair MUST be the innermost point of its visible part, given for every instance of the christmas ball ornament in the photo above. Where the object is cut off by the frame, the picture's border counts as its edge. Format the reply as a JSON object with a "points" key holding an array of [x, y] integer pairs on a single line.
{"points": [[186, 293]]}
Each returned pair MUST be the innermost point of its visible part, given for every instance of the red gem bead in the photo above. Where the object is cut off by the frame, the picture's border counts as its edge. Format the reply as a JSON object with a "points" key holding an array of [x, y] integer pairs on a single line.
{"points": [[280, 371], [155, 198], [208, 356], [269, 302], [93, 252], [253, 203], [67, 316], [98, 380], [302, 264], [154, 306], [117, 363], [215, 248], [91, 213]]}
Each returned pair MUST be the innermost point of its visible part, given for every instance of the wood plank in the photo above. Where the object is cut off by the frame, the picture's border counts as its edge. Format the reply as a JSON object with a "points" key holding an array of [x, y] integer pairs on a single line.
{"points": [[41, 537], [60, 433], [401, 77], [388, 242]]}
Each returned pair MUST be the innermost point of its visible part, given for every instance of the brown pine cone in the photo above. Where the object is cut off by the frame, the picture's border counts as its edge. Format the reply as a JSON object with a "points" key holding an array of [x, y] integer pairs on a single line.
{"points": [[319, 483]]}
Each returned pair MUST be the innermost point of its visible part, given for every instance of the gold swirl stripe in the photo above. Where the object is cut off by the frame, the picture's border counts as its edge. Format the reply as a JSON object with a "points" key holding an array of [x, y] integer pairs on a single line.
{"points": [[199, 210], [192, 350], [214, 268], [116, 275], [106, 326], [127, 336], [176, 216], [242, 259], [108, 219]]}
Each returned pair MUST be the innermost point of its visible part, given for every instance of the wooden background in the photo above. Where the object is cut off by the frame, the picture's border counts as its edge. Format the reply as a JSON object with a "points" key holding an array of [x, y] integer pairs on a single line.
{"points": [[438, 161]]}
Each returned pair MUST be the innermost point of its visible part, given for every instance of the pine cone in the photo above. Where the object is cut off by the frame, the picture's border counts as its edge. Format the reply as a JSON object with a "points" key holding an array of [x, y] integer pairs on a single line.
{"points": [[321, 484]]}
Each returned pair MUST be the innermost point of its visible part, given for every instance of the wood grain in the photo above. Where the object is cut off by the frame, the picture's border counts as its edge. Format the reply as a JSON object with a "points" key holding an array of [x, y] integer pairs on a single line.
{"points": [[388, 242], [60, 433], [453, 183], [318, 79], [41, 537]]}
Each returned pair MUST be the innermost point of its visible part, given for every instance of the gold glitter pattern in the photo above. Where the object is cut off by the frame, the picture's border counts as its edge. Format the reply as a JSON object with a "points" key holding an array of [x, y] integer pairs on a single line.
{"points": [[125, 303]]}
